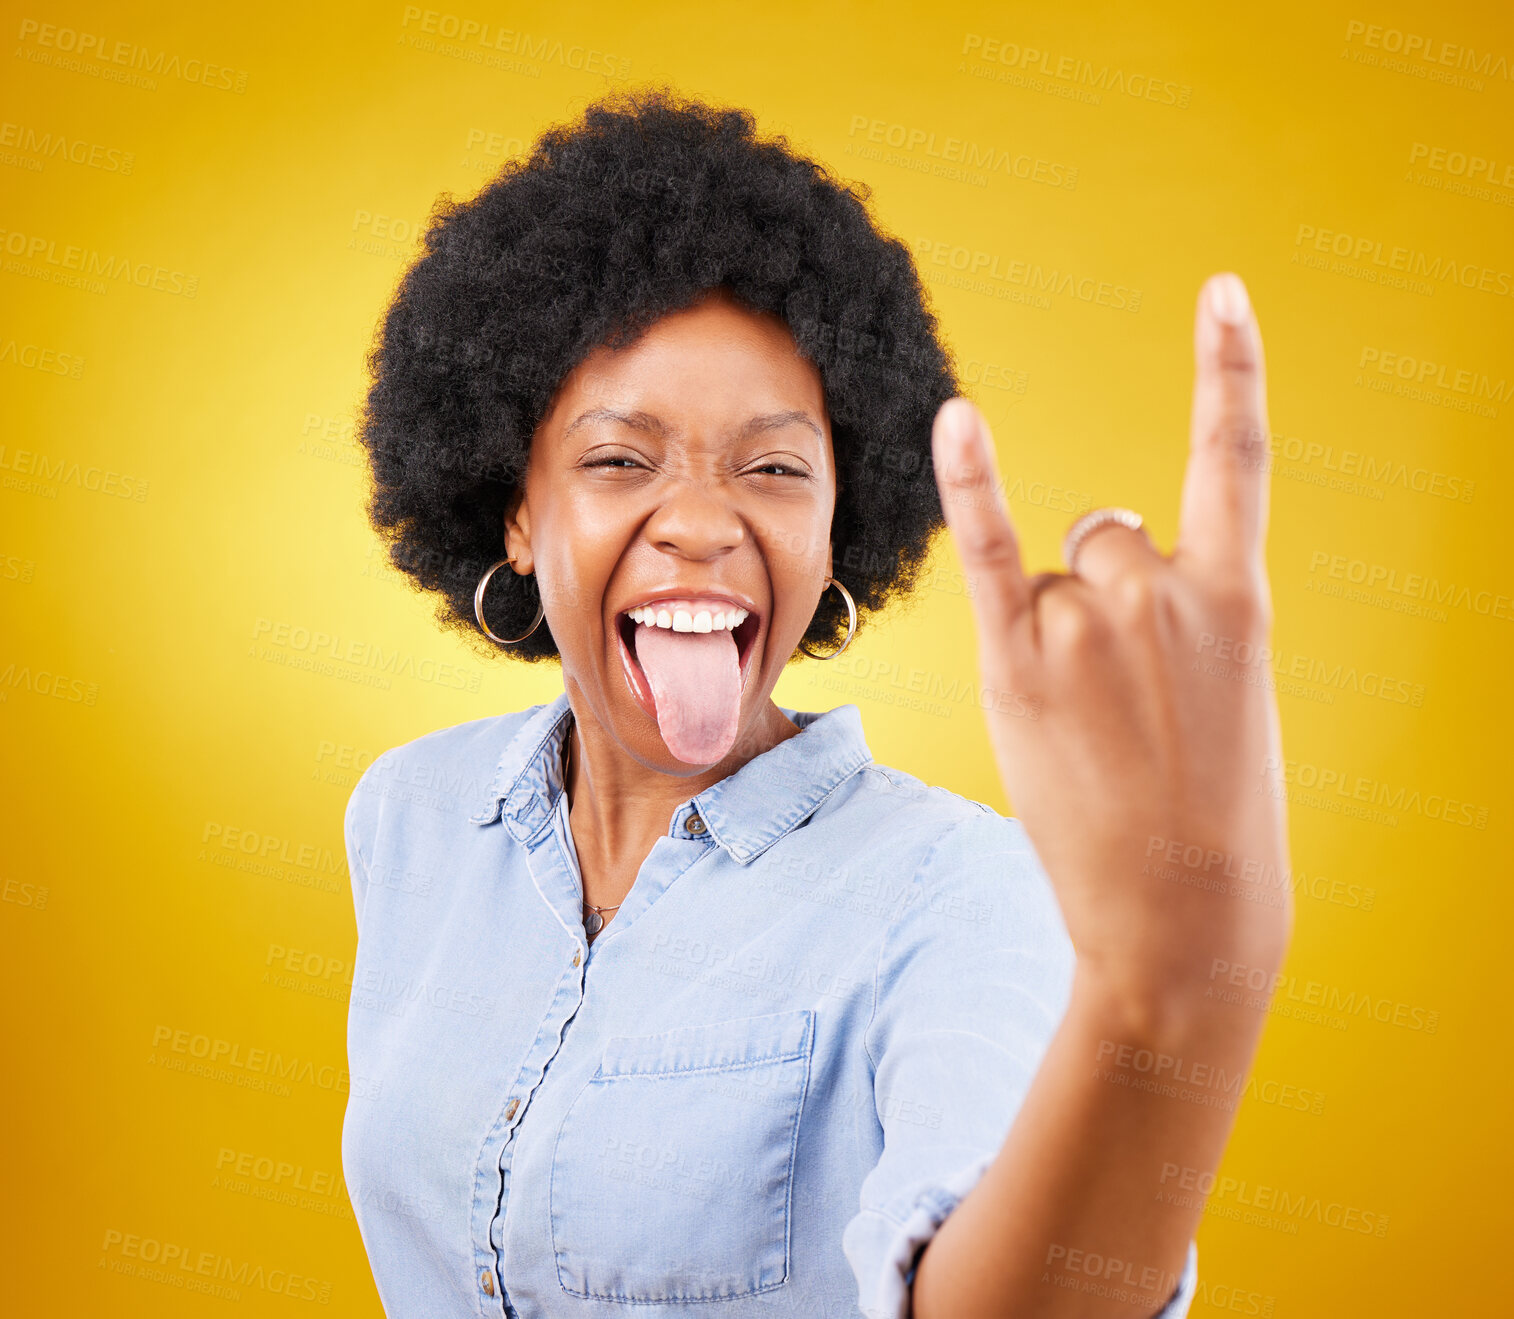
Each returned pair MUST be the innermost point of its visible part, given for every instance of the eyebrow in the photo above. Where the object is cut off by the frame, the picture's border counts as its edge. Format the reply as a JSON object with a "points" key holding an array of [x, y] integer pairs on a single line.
{"points": [[645, 421]]}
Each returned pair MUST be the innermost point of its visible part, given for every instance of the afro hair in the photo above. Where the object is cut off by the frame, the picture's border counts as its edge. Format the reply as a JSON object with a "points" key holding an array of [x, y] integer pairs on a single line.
{"points": [[642, 208]]}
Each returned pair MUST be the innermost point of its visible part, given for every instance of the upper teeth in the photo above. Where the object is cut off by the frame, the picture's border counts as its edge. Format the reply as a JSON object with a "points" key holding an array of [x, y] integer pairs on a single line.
{"points": [[685, 620]]}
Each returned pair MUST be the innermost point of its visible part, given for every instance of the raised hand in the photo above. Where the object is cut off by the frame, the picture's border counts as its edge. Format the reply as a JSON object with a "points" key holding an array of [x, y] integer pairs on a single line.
{"points": [[1146, 778]]}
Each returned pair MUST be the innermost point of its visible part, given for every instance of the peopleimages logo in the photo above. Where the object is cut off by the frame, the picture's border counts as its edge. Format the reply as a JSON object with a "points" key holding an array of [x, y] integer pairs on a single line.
{"points": [[990, 273], [1297, 1206], [41, 473], [244, 1065], [203, 1271], [39, 256], [35, 357], [1427, 49], [476, 36], [51, 144], [1463, 164], [946, 149], [333, 655], [1405, 588], [1420, 371], [1393, 262], [95, 53], [1341, 783], [1234, 658], [1075, 70]]}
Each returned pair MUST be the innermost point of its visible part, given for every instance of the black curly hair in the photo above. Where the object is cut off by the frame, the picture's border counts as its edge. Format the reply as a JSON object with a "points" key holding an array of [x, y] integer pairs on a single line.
{"points": [[644, 207]]}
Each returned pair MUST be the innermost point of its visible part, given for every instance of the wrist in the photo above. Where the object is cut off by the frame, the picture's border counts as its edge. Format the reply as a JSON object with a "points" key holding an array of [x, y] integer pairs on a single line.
{"points": [[1174, 1008]]}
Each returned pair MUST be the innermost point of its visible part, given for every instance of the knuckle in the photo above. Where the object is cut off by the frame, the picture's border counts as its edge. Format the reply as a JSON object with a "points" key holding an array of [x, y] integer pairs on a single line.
{"points": [[1236, 361], [1238, 437], [1243, 608], [990, 549], [1147, 608], [1070, 624], [1135, 595], [980, 526]]}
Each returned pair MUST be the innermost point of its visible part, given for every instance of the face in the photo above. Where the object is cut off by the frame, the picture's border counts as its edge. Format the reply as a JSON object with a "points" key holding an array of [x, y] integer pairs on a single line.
{"points": [[694, 467]]}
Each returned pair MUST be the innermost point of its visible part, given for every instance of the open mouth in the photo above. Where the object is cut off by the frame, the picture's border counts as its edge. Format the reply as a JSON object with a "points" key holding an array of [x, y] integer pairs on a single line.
{"points": [[626, 629]]}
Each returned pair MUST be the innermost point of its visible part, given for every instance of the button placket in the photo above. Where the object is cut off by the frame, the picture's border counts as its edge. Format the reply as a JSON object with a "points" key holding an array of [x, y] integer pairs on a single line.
{"points": [[549, 1042]]}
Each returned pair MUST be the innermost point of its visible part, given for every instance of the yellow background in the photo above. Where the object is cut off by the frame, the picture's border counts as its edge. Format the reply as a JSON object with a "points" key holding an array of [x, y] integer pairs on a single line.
{"points": [[198, 489]]}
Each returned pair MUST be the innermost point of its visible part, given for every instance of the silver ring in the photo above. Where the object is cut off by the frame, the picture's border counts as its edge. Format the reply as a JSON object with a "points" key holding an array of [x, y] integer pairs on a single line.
{"points": [[1091, 522]]}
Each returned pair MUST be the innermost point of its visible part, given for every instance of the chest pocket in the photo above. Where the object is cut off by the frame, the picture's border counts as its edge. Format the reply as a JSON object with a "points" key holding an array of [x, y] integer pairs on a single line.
{"points": [[673, 1167]]}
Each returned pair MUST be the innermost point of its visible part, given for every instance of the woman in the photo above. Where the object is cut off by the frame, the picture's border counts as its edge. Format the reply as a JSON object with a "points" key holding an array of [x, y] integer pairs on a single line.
{"points": [[668, 995]]}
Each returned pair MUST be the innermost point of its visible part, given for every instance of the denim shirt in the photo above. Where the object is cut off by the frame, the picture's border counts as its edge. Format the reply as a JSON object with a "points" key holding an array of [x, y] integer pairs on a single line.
{"points": [[799, 1042]]}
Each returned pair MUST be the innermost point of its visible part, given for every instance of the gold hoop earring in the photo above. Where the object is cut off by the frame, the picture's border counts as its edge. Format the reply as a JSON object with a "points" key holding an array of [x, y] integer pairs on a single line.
{"points": [[851, 622], [478, 609]]}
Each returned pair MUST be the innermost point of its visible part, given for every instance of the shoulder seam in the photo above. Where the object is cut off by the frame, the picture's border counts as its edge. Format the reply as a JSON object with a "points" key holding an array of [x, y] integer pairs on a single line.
{"points": [[901, 777]]}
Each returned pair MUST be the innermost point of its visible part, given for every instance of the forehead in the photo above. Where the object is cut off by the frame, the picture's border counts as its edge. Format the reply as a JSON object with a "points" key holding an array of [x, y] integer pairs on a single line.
{"points": [[716, 364]]}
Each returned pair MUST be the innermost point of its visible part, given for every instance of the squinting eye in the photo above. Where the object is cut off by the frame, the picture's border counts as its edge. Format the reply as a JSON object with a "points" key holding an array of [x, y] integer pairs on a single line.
{"points": [[611, 462], [780, 468]]}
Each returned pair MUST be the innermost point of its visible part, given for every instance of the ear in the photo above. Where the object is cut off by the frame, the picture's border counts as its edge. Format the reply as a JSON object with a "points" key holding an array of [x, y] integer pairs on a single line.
{"points": [[518, 534], [830, 550]]}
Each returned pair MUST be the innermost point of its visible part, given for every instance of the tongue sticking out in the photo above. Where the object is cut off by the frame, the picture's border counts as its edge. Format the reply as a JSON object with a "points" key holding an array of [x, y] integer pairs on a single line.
{"points": [[696, 683]]}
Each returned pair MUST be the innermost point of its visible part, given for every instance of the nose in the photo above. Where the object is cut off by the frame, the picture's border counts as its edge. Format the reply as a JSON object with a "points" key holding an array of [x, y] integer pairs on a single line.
{"points": [[696, 520]]}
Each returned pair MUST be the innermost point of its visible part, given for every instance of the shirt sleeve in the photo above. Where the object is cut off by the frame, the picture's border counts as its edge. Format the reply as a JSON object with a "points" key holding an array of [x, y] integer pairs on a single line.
{"points": [[359, 828], [972, 981]]}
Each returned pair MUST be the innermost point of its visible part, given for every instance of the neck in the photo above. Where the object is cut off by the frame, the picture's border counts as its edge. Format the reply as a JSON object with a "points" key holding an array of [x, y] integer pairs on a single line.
{"points": [[618, 807]]}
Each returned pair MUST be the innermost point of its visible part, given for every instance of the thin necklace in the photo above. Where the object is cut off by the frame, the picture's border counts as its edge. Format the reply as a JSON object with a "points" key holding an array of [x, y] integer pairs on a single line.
{"points": [[593, 922]]}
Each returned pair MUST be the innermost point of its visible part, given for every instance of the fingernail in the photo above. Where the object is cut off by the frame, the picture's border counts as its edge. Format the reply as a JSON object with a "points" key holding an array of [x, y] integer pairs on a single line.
{"points": [[1228, 300], [958, 422]]}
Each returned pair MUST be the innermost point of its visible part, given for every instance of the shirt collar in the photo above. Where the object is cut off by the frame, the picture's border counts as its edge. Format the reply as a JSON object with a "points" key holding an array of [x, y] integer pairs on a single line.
{"points": [[745, 813]]}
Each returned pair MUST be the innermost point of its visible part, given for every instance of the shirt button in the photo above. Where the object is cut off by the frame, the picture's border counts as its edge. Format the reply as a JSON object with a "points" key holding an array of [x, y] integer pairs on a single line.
{"points": [[486, 1281], [577, 956], [695, 825], [510, 1108]]}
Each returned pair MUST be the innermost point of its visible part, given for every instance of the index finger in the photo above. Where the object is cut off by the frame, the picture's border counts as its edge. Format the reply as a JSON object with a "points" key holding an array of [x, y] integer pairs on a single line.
{"points": [[967, 477], [1223, 522]]}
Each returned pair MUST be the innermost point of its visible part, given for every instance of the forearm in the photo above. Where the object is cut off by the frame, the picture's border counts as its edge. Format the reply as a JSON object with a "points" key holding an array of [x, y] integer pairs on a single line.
{"points": [[1086, 1169]]}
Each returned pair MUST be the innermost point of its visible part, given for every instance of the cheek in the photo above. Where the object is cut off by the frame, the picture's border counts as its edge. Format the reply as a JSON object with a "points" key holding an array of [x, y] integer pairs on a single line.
{"points": [[581, 550], [796, 563], [801, 529], [781, 551]]}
